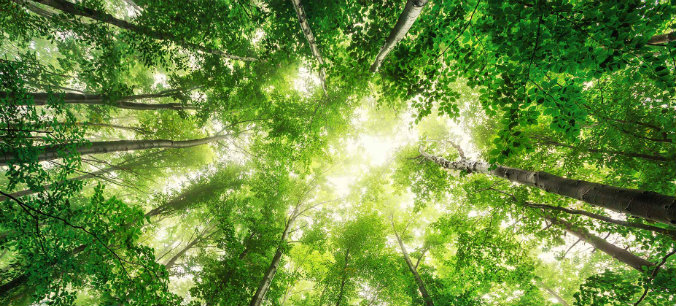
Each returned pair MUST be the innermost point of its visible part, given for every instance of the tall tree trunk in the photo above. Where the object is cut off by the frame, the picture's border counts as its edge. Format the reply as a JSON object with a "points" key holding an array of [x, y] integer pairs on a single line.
{"points": [[637, 225], [421, 286], [41, 98], [406, 20], [604, 246], [344, 278], [645, 204], [302, 18], [116, 126], [264, 285], [554, 294], [172, 261], [662, 39], [609, 152], [78, 10], [52, 152]]}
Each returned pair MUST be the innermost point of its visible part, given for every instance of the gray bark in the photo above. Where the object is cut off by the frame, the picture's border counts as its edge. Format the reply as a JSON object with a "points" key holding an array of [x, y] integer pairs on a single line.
{"points": [[264, 285], [406, 20], [645, 204], [78, 10], [41, 98], [344, 279], [172, 261], [302, 18], [52, 152], [604, 246], [421, 285], [554, 294]]}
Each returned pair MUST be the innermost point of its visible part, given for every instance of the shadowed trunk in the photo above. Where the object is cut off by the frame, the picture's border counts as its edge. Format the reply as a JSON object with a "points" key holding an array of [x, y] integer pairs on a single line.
{"points": [[302, 18], [52, 152], [41, 98], [639, 203], [406, 20], [662, 39], [421, 286], [554, 294]]}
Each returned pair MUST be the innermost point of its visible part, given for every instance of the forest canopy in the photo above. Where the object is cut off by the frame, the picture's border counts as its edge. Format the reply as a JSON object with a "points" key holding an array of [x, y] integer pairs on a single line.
{"points": [[288, 152]]}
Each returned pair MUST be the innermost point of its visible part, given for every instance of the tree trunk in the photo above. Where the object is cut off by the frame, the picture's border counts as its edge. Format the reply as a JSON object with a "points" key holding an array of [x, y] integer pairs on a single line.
{"points": [[344, 279], [123, 102], [78, 10], [662, 39], [609, 152], [25, 192], [406, 20], [421, 286], [302, 18], [604, 246], [264, 285], [116, 126], [554, 294], [52, 152], [642, 226], [645, 204], [172, 261]]}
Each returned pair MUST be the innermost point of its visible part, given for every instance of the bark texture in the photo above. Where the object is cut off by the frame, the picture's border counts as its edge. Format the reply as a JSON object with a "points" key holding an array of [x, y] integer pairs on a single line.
{"points": [[645, 204], [421, 286], [26, 192], [172, 261], [554, 294], [604, 246], [52, 152], [344, 279], [406, 20], [78, 10], [302, 18]]}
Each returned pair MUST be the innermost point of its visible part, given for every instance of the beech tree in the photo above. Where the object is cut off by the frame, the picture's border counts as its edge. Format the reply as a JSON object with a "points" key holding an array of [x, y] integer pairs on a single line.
{"points": [[239, 152]]}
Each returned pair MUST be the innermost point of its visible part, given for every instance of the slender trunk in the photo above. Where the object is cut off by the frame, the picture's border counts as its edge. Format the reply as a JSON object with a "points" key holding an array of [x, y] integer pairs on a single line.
{"points": [[26, 192], [302, 18], [40, 98], [421, 286], [52, 151], [78, 10], [645, 204], [133, 5], [642, 226], [37, 10], [554, 294], [344, 278], [662, 39], [406, 20], [264, 285], [172, 261], [116, 126], [604, 246], [610, 152]]}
